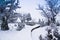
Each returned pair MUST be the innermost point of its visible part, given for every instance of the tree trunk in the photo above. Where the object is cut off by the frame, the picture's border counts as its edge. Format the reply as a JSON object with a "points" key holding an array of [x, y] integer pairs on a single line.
{"points": [[53, 20], [4, 25], [48, 22]]}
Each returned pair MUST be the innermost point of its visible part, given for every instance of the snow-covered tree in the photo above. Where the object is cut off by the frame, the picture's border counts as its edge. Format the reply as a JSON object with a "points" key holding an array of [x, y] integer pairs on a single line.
{"points": [[28, 17], [7, 7], [41, 23], [51, 9], [13, 17]]}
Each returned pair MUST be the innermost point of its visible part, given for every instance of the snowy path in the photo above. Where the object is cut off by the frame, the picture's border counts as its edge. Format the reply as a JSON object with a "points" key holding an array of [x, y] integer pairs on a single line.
{"points": [[24, 34], [40, 31]]}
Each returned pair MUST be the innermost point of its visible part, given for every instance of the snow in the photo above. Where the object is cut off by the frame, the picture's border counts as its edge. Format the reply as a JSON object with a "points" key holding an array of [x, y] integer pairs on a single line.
{"points": [[40, 31], [24, 34], [13, 26], [43, 32]]}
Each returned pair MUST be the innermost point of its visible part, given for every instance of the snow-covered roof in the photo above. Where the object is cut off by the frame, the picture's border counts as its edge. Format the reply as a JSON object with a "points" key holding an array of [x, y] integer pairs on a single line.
{"points": [[18, 20]]}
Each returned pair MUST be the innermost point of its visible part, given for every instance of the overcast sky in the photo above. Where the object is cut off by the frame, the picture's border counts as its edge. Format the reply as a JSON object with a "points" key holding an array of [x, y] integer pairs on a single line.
{"points": [[29, 6]]}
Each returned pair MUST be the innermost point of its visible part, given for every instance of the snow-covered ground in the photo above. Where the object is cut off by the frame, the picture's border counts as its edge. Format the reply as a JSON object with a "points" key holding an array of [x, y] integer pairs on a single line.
{"points": [[24, 34], [40, 31], [43, 32]]}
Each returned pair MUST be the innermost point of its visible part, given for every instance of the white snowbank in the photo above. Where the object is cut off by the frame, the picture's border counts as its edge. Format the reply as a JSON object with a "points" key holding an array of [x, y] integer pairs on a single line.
{"points": [[24, 34]]}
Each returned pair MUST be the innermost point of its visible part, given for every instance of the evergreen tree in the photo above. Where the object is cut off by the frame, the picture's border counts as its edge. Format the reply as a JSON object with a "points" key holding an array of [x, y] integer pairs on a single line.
{"points": [[6, 8]]}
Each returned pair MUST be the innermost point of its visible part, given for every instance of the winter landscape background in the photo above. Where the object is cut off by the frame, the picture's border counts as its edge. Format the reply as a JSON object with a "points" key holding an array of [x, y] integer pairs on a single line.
{"points": [[29, 19]]}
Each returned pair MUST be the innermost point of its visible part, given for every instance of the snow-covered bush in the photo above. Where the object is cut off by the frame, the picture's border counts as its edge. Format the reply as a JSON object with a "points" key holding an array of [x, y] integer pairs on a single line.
{"points": [[41, 23], [20, 26], [46, 23], [30, 23], [56, 34], [53, 25], [12, 26]]}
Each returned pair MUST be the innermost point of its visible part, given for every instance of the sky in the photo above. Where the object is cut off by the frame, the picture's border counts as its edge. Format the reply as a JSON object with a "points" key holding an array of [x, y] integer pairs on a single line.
{"points": [[30, 6]]}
